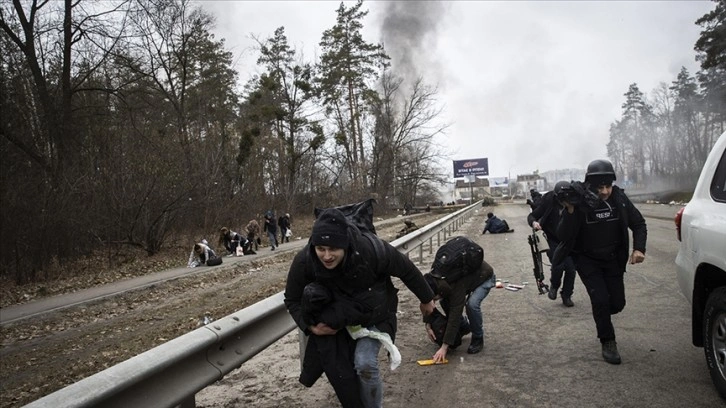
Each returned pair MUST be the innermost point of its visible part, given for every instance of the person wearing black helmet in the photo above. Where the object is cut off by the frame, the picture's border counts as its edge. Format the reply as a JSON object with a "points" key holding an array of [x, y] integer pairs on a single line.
{"points": [[546, 216], [535, 200], [600, 246]]}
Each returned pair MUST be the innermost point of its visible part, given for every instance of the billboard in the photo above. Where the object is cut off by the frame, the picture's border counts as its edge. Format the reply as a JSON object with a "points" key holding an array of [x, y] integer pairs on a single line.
{"points": [[471, 167]]}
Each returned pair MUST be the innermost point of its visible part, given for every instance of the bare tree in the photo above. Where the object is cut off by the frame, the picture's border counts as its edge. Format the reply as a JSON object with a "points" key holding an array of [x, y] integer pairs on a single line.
{"points": [[405, 149]]}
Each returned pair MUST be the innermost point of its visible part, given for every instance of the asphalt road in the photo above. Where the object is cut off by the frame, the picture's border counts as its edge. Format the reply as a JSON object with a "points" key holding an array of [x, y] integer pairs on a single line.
{"points": [[537, 352]]}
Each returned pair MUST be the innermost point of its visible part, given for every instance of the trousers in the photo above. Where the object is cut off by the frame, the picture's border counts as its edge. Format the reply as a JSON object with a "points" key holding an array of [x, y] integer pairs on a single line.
{"points": [[473, 306], [366, 365], [606, 288]]}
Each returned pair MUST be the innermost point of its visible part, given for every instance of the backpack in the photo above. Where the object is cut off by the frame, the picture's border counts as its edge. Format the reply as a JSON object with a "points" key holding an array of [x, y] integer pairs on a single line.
{"points": [[459, 256], [359, 214], [439, 321]]}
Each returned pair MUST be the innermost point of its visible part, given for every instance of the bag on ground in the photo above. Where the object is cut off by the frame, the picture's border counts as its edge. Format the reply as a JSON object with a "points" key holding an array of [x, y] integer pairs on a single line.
{"points": [[438, 322], [214, 261]]}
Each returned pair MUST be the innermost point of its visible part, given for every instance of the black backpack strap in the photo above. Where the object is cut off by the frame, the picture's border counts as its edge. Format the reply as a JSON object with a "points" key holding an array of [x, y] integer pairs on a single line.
{"points": [[378, 248]]}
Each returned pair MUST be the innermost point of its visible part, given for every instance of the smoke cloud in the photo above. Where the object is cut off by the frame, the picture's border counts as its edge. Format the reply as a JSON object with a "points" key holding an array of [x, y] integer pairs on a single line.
{"points": [[410, 31]]}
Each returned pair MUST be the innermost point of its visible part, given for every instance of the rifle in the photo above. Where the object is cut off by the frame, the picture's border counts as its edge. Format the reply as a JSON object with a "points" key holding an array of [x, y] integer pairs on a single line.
{"points": [[537, 244]]}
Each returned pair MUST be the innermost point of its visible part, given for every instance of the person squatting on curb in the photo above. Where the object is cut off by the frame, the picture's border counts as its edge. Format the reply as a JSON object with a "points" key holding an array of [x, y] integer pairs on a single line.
{"points": [[230, 240], [253, 233], [344, 260], [546, 216], [200, 254], [598, 238]]}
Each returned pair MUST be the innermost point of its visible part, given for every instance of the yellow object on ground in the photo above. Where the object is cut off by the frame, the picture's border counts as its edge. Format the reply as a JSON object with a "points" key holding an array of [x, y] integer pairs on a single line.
{"points": [[430, 362]]}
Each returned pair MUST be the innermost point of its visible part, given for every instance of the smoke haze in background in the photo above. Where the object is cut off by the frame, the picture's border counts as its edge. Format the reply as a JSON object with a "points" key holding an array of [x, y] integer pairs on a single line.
{"points": [[530, 85], [408, 30]]}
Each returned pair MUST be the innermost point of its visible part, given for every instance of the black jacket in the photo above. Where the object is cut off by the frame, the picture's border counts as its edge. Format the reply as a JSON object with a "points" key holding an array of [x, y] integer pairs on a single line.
{"points": [[364, 274], [270, 226], [571, 226], [547, 213], [283, 222], [456, 300]]}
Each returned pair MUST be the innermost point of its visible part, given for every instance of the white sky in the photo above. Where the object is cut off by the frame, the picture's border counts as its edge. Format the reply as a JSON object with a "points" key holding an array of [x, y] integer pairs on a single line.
{"points": [[528, 85]]}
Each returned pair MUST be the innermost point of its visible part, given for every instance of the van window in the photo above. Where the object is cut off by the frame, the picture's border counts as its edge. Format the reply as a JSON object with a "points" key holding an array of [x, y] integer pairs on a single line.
{"points": [[718, 184]]}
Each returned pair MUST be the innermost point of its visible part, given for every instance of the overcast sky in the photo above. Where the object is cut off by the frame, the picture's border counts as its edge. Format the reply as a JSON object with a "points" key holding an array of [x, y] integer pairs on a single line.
{"points": [[528, 85]]}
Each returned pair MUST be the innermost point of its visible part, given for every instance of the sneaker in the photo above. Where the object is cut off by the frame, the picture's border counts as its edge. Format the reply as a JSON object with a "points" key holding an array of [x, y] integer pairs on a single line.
{"points": [[567, 301], [610, 352], [552, 293], [476, 345]]}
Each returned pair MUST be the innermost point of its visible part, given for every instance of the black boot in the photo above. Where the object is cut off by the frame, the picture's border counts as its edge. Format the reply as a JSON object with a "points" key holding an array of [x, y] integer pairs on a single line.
{"points": [[477, 343], [610, 352], [567, 301], [552, 293]]}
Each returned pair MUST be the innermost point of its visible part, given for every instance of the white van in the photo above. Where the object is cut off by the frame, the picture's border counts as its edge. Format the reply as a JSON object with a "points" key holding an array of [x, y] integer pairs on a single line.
{"points": [[701, 261]]}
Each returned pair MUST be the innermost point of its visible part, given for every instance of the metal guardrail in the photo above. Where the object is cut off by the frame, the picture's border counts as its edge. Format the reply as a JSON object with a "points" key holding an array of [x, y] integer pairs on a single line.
{"points": [[171, 374]]}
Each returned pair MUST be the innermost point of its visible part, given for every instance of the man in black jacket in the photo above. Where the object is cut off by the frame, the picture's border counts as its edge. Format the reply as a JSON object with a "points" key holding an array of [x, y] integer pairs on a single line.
{"points": [[357, 265], [600, 245], [546, 216]]}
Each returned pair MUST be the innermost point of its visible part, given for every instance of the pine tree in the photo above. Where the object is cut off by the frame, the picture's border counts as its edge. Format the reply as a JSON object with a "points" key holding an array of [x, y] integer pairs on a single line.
{"points": [[347, 68]]}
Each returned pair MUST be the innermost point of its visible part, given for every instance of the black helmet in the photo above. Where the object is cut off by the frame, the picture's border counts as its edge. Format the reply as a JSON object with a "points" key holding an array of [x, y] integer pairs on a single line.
{"points": [[600, 172], [560, 185]]}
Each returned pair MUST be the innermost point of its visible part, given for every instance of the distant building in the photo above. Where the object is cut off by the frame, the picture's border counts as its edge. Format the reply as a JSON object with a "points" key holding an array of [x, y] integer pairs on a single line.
{"points": [[499, 186], [526, 182], [463, 190], [553, 176]]}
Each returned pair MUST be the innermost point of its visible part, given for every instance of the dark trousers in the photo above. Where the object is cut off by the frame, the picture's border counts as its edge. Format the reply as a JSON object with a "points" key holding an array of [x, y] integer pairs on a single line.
{"points": [[604, 283], [566, 268], [231, 246], [333, 355], [253, 240]]}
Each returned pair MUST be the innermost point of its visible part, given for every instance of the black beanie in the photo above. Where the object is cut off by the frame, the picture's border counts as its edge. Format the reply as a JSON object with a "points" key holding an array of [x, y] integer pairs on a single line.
{"points": [[330, 229]]}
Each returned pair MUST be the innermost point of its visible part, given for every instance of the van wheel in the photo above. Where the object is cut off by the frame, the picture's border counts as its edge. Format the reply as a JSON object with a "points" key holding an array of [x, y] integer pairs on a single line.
{"points": [[714, 334]]}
